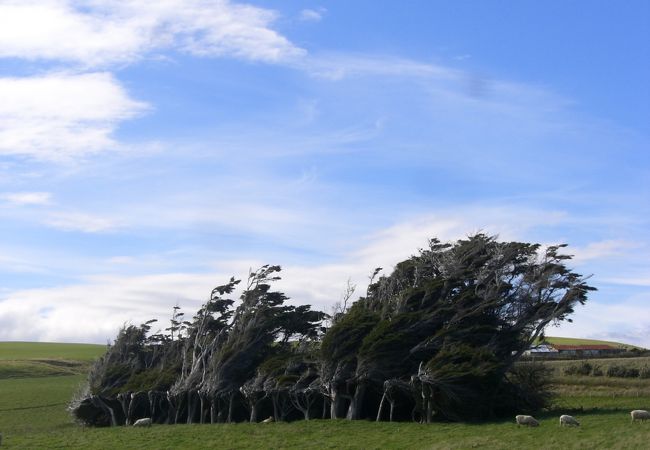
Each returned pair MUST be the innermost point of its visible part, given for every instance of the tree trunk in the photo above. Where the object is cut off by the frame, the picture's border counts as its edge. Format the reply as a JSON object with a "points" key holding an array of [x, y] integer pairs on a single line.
{"points": [[392, 408], [335, 403], [202, 407], [274, 400], [123, 399], [253, 418], [152, 404], [190, 407], [354, 411], [171, 412], [213, 409], [230, 407], [381, 406]]}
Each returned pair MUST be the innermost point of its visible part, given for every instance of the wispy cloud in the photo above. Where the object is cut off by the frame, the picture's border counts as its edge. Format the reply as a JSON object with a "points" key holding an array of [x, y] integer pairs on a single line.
{"points": [[312, 15], [105, 32], [76, 221], [124, 296], [606, 248], [26, 198]]}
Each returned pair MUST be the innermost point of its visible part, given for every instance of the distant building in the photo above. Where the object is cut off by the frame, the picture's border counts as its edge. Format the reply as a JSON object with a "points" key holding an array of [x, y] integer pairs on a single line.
{"points": [[587, 350], [541, 350]]}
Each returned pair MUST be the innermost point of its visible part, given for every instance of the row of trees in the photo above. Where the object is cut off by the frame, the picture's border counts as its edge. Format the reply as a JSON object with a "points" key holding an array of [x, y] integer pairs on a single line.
{"points": [[436, 339]]}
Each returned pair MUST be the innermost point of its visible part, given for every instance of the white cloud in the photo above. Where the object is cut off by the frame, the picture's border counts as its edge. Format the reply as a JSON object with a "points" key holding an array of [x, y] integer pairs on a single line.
{"points": [[93, 312], [339, 66], [312, 15], [26, 198], [602, 249], [75, 221], [102, 303], [62, 116], [102, 32], [625, 320]]}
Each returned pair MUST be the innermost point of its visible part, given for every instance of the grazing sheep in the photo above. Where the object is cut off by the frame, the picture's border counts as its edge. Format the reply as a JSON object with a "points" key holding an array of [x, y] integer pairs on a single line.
{"points": [[527, 420], [568, 420], [640, 414], [268, 420], [146, 422]]}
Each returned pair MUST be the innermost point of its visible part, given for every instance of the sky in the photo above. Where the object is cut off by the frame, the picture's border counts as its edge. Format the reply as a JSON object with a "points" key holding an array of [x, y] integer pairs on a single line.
{"points": [[149, 150]]}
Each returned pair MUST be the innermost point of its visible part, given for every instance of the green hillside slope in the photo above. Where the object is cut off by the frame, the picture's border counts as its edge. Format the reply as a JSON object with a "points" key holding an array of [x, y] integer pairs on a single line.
{"points": [[40, 359], [579, 341]]}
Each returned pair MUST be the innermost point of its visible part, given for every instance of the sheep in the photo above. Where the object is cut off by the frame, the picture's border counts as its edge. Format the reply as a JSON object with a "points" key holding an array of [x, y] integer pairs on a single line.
{"points": [[268, 420], [146, 422], [640, 414], [568, 420], [527, 420]]}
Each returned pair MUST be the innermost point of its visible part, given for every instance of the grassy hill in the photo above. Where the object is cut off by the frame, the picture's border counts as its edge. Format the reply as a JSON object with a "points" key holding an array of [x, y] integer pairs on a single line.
{"points": [[49, 350], [579, 341], [39, 359], [33, 415]]}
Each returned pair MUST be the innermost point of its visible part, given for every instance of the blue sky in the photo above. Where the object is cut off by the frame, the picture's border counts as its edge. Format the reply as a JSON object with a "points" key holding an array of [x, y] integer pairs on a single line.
{"points": [[150, 150]]}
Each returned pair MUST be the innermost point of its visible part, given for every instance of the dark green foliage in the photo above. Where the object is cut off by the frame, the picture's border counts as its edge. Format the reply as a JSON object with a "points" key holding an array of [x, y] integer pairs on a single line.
{"points": [[452, 322], [583, 369], [343, 340], [623, 372], [644, 372]]}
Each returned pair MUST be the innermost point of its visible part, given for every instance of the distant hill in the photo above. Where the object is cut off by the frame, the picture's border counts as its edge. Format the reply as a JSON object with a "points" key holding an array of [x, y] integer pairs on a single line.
{"points": [[579, 341], [40, 359], [52, 350]]}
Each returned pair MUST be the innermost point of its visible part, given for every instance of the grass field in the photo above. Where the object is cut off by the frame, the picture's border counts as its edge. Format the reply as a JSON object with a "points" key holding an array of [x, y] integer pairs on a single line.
{"points": [[576, 341], [33, 416], [44, 359], [49, 350]]}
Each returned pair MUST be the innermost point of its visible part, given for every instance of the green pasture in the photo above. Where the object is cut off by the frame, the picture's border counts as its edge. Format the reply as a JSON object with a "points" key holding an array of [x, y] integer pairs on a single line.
{"points": [[559, 365], [44, 359], [33, 416], [50, 350], [578, 341]]}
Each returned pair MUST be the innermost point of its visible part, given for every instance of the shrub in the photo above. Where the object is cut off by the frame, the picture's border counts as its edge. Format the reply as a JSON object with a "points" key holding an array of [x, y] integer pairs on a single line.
{"points": [[571, 370], [583, 369], [615, 371], [597, 372], [644, 372], [622, 372]]}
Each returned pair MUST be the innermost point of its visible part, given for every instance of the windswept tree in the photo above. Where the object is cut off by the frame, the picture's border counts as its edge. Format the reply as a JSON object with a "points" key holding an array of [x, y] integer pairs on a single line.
{"points": [[438, 338], [451, 321], [219, 352]]}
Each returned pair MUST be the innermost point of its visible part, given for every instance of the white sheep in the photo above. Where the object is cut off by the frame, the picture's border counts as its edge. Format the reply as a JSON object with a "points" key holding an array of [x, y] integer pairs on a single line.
{"points": [[268, 420], [526, 420], [565, 419], [146, 422], [640, 414]]}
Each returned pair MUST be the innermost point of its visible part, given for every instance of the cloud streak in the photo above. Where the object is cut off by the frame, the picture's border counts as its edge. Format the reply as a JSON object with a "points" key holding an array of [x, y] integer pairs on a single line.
{"points": [[26, 198], [104, 302], [102, 32]]}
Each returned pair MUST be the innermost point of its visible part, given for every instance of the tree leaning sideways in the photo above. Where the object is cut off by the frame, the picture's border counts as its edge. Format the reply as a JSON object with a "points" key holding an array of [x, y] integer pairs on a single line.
{"points": [[437, 339]]}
